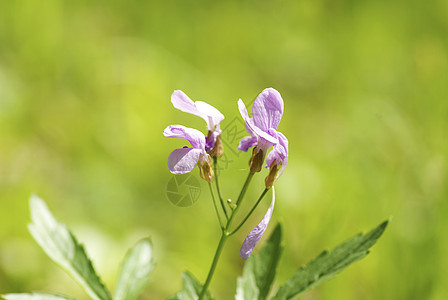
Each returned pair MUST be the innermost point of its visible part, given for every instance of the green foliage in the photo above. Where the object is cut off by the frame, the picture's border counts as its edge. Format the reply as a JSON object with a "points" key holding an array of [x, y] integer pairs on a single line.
{"points": [[134, 272], [191, 289], [33, 296], [328, 264], [84, 96], [260, 269], [63, 248]]}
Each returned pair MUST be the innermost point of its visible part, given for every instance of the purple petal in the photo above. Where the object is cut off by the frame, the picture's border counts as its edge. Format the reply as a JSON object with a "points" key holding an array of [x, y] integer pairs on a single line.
{"points": [[284, 143], [182, 102], [183, 160], [252, 128], [247, 142], [195, 137], [279, 153], [267, 110], [201, 109], [210, 114], [246, 118], [255, 235]]}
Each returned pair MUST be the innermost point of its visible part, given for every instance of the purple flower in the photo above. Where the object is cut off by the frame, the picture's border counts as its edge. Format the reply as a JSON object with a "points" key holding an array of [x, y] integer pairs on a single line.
{"points": [[184, 160], [267, 112], [255, 235], [210, 114]]}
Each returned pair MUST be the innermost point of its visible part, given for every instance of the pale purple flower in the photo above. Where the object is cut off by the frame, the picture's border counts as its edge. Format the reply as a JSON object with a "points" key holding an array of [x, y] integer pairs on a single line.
{"points": [[267, 112], [201, 109], [183, 160], [255, 234]]}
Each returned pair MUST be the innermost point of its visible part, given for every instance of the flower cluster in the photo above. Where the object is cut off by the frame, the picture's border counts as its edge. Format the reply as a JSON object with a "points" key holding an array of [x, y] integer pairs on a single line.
{"points": [[184, 160], [267, 111]]}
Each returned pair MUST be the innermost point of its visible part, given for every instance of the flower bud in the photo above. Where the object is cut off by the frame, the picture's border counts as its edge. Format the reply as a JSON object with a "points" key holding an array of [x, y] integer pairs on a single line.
{"points": [[205, 168]]}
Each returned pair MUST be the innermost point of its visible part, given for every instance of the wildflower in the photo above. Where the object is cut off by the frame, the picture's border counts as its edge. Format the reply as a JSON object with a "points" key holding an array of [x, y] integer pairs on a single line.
{"points": [[183, 160], [255, 234], [267, 112], [210, 114]]}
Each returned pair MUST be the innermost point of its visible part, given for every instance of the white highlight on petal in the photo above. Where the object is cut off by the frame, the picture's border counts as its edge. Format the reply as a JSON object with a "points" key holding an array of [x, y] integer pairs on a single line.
{"points": [[210, 114], [183, 160]]}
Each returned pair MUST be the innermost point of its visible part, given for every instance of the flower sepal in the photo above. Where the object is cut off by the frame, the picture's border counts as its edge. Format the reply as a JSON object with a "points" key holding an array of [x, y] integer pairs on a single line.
{"points": [[256, 160], [205, 168], [218, 147], [273, 175]]}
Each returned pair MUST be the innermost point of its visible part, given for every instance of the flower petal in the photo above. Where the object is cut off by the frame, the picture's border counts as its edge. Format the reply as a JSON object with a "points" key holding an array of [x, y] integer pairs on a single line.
{"points": [[267, 109], [279, 153], [210, 114], [195, 137], [248, 121], [201, 109], [183, 160], [252, 128], [247, 142], [182, 102], [255, 235], [284, 143]]}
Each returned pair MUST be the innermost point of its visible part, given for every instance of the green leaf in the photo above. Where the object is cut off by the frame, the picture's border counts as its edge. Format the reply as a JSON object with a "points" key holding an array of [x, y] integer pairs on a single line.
{"points": [[259, 270], [34, 296], [134, 272], [328, 264], [63, 248], [247, 285], [191, 288]]}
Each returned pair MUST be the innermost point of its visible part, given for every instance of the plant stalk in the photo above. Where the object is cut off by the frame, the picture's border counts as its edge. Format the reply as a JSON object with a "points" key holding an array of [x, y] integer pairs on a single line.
{"points": [[250, 212], [215, 165], [224, 236], [221, 243]]}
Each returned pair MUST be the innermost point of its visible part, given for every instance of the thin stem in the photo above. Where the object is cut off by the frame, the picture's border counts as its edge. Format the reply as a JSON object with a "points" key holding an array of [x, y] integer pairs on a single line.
{"points": [[216, 207], [250, 212], [240, 198], [222, 241], [224, 236], [215, 165]]}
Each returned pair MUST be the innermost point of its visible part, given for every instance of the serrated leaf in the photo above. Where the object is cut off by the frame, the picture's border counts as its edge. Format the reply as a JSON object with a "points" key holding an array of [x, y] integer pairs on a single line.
{"points": [[33, 296], [260, 269], [134, 271], [191, 288], [328, 264], [63, 248]]}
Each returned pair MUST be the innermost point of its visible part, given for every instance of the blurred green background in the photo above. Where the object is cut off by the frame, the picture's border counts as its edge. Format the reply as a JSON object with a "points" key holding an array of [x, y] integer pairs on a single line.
{"points": [[85, 92]]}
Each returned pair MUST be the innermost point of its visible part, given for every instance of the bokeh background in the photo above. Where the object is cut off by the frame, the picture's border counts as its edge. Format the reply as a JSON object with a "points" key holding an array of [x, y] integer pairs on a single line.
{"points": [[85, 92]]}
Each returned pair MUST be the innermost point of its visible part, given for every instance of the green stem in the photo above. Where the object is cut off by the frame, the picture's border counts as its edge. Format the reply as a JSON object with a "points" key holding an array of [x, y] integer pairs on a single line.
{"points": [[224, 236], [239, 200], [216, 207], [222, 241], [250, 213], [215, 165]]}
